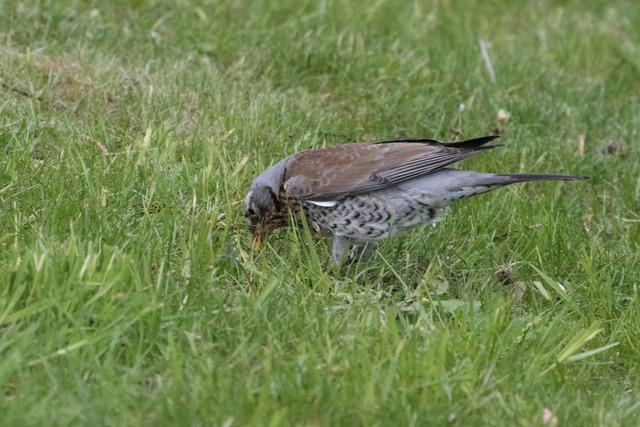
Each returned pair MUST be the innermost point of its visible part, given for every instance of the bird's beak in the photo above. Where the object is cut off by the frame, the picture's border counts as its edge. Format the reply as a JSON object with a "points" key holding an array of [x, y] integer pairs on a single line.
{"points": [[258, 235]]}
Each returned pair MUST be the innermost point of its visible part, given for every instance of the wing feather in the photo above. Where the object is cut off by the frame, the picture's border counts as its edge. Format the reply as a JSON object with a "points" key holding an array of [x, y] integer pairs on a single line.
{"points": [[332, 173]]}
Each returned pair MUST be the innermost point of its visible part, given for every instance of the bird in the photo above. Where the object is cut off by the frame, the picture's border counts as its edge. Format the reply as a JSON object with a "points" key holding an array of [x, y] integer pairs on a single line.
{"points": [[362, 193]]}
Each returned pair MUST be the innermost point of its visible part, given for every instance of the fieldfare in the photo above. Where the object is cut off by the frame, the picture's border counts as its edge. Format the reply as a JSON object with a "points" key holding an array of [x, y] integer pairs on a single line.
{"points": [[360, 193]]}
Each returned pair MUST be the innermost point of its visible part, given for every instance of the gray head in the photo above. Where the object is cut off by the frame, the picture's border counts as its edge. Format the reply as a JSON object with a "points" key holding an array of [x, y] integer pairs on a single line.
{"points": [[263, 209]]}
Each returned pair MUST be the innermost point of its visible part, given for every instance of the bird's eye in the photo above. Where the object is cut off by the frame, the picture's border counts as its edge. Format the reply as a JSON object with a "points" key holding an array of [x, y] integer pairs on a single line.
{"points": [[251, 212]]}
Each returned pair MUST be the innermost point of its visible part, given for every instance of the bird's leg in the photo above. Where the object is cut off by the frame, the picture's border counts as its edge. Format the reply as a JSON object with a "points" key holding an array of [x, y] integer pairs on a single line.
{"points": [[363, 250], [342, 245]]}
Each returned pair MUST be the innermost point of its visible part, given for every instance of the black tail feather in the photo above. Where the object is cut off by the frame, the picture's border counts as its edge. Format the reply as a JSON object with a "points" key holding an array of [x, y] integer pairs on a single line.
{"points": [[512, 178], [470, 143]]}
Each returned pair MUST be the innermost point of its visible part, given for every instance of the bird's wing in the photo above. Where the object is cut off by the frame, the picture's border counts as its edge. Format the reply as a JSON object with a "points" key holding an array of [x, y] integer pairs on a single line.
{"points": [[335, 172]]}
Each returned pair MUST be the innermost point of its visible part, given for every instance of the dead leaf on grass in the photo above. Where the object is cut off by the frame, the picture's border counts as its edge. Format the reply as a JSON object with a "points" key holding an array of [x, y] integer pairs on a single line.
{"points": [[502, 115], [48, 63], [519, 290], [616, 148], [505, 275], [548, 418]]}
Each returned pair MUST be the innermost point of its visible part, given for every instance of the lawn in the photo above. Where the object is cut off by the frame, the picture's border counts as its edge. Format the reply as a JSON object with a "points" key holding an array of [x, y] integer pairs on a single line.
{"points": [[129, 293]]}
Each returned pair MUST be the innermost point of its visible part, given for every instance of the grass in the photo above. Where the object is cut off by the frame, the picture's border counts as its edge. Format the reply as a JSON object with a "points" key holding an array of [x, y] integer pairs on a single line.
{"points": [[128, 291]]}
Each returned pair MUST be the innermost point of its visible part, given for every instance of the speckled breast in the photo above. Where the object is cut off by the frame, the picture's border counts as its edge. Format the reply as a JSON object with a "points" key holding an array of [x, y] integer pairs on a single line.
{"points": [[364, 217]]}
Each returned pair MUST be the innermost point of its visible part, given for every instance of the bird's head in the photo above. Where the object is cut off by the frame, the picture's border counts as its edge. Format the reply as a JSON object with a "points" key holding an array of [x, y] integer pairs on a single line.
{"points": [[263, 209]]}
